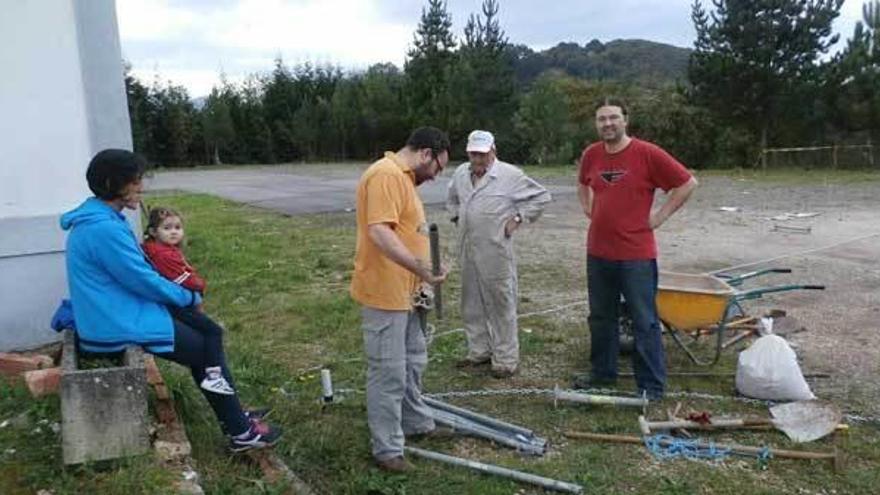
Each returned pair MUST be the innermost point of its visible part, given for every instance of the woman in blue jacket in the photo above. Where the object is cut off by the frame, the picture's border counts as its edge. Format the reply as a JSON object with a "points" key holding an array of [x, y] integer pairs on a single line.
{"points": [[119, 300]]}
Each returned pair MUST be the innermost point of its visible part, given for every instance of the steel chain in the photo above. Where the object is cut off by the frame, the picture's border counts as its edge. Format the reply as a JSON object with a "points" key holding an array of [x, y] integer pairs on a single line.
{"points": [[850, 417]]}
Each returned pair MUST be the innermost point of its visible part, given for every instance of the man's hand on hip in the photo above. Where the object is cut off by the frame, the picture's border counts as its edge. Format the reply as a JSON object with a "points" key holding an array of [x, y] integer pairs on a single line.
{"points": [[656, 220], [511, 225]]}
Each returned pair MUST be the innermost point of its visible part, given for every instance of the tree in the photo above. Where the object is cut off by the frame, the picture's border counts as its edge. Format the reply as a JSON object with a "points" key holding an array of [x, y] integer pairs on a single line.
{"points": [[483, 81], [346, 114], [141, 112], [217, 125], [756, 61], [428, 65], [854, 91], [542, 122], [384, 113]]}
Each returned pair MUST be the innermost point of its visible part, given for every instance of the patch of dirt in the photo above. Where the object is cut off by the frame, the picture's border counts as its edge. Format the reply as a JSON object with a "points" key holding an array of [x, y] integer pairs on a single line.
{"points": [[841, 336]]}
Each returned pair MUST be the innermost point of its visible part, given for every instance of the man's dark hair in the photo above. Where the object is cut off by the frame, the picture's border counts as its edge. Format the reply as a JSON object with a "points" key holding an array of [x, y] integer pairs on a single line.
{"points": [[428, 137], [612, 101], [111, 170]]}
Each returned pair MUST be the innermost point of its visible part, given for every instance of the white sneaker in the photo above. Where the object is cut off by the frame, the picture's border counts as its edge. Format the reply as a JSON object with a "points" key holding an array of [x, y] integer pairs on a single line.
{"points": [[217, 384]]}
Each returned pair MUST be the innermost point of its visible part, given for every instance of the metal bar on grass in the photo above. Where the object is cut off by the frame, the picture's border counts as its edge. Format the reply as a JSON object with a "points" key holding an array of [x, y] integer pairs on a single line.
{"points": [[497, 423], [532, 446], [559, 394], [533, 479]]}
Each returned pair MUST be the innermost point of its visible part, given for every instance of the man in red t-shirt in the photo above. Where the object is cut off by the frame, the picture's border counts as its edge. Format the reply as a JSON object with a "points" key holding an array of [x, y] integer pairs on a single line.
{"points": [[617, 180]]}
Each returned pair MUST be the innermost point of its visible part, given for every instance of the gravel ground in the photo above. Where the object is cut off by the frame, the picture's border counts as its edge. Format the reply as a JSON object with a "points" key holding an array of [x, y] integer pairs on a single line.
{"points": [[841, 251]]}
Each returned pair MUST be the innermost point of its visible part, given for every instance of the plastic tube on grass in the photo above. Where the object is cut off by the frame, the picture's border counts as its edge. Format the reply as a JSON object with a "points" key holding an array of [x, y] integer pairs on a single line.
{"points": [[326, 386]]}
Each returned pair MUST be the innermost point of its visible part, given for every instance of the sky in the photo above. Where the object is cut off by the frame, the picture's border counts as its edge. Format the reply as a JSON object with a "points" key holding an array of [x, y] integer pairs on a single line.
{"points": [[190, 42]]}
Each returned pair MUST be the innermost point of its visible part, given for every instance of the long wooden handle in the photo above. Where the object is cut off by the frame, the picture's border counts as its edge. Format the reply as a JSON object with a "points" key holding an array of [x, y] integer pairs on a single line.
{"points": [[740, 449]]}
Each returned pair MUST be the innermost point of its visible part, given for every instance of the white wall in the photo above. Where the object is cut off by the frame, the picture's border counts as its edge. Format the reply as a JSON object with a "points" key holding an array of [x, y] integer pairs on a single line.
{"points": [[62, 99], [44, 138]]}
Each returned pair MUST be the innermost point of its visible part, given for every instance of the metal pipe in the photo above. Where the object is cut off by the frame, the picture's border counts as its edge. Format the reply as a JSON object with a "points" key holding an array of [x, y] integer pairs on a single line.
{"points": [[480, 418], [559, 394], [533, 479], [463, 425], [434, 235]]}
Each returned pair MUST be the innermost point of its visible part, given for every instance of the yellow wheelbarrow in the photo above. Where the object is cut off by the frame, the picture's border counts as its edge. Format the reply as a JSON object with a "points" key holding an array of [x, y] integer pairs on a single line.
{"points": [[693, 306]]}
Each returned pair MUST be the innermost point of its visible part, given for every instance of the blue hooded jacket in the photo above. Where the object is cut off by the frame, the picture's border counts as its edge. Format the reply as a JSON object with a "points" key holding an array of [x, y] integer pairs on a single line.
{"points": [[118, 298]]}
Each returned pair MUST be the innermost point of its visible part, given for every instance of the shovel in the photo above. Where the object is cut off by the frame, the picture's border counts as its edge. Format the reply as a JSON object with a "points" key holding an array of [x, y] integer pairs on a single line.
{"points": [[802, 421]]}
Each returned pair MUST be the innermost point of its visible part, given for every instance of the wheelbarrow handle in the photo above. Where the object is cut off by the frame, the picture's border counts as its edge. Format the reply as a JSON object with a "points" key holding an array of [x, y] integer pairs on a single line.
{"points": [[736, 280], [759, 292]]}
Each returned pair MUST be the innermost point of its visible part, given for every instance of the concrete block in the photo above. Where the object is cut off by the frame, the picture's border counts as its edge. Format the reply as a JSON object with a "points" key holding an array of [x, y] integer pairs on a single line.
{"points": [[104, 411]]}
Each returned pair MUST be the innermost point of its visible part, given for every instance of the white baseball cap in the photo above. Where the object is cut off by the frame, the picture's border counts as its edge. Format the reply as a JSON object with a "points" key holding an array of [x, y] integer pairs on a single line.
{"points": [[480, 142]]}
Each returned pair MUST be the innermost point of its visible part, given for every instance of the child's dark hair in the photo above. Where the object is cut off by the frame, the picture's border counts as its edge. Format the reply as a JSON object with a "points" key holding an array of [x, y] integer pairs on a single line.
{"points": [[156, 216], [111, 170]]}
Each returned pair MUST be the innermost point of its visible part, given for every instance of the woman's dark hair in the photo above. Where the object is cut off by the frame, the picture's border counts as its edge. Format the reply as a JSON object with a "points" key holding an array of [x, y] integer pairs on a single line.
{"points": [[111, 170], [428, 137]]}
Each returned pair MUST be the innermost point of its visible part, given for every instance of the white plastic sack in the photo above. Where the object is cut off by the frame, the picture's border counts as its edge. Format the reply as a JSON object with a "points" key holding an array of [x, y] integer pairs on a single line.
{"points": [[769, 370]]}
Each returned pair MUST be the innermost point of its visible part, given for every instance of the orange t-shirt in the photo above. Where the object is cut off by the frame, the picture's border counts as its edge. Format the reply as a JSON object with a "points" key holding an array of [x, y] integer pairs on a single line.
{"points": [[387, 193]]}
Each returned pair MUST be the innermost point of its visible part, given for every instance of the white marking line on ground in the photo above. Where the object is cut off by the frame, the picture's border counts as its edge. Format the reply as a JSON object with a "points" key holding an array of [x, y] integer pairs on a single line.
{"points": [[791, 255]]}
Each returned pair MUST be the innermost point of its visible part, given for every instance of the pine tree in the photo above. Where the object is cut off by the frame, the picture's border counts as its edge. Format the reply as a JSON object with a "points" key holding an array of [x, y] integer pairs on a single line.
{"points": [[755, 61], [483, 79], [428, 65]]}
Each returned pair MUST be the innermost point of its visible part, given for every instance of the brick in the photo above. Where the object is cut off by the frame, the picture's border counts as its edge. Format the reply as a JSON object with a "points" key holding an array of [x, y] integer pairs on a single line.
{"points": [[166, 413], [154, 377], [43, 382], [12, 364], [162, 392]]}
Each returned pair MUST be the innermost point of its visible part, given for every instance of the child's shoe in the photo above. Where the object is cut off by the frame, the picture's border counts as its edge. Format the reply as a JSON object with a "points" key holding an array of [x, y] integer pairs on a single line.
{"points": [[259, 435], [214, 382]]}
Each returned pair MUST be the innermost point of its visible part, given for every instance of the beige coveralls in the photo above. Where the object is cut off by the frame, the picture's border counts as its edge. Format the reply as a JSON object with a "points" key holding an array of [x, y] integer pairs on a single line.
{"points": [[488, 267]]}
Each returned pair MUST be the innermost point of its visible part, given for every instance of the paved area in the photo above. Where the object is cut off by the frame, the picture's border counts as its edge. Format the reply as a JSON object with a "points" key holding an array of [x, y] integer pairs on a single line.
{"points": [[289, 189]]}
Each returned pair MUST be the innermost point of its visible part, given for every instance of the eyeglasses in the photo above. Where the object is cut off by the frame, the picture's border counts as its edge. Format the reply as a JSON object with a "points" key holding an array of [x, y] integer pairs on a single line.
{"points": [[436, 158]]}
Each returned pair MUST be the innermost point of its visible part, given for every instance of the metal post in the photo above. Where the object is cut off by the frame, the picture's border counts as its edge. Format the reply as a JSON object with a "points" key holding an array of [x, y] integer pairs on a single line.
{"points": [[559, 394], [434, 232], [547, 483]]}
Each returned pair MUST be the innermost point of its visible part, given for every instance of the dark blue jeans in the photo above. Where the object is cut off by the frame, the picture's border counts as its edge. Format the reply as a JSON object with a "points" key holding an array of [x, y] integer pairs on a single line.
{"points": [[212, 332], [636, 280], [190, 350]]}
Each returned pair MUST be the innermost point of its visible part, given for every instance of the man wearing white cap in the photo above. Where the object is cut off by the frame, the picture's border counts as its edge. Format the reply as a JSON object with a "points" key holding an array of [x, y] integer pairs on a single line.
{"points": [[489, 200]]}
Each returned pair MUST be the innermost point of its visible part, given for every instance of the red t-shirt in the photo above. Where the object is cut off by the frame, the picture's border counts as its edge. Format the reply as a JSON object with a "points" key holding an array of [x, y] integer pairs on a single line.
{"points": [[623, 185]]}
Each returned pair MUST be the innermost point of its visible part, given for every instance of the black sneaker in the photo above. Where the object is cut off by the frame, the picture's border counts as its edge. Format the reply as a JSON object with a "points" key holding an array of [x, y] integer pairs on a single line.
{"points": [[651, 395], [586, 382], [259, 436], [258, 414]]}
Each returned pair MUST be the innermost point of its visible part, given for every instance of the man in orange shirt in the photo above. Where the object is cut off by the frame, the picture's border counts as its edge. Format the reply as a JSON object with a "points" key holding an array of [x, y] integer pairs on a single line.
{"points": [[391, 261]]}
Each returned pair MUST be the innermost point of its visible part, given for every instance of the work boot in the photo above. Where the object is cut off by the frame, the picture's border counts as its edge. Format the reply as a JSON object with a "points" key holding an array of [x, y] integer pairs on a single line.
{"points": [[394, 465], [503, 373], [468, 363]]}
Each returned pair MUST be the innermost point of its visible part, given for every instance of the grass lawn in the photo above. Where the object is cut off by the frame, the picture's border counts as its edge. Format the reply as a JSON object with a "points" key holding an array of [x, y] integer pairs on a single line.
{"points": [[279, 286]]}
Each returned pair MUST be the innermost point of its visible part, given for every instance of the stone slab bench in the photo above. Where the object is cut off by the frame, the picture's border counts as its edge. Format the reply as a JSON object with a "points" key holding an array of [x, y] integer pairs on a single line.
{"points": [[104, 412]]}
